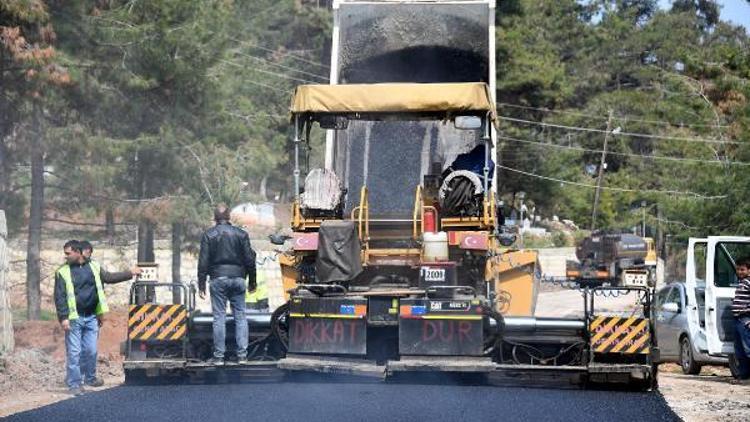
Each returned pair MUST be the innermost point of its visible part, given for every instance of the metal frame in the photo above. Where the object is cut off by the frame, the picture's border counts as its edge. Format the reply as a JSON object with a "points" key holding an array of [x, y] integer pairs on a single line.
{"points": [[589, 295], [188, 299]]}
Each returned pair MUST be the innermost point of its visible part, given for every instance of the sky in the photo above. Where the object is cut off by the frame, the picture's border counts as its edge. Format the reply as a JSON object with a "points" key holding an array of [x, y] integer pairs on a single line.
{"points": [[735, 11]]}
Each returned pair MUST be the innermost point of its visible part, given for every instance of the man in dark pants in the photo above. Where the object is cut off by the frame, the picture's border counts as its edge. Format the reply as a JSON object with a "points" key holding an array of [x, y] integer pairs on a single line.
{"points": [[81, 304], [741, 313], [227, 259]]}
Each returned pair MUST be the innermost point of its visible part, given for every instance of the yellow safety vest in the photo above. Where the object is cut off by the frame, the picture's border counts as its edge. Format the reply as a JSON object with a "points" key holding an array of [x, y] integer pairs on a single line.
{"points": [[261, 288], [101, 307]]}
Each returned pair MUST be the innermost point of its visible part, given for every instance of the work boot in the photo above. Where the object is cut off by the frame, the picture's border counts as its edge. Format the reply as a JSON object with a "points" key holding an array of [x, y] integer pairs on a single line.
{"points": [[97, 382], [75, 391], [216, 361]]}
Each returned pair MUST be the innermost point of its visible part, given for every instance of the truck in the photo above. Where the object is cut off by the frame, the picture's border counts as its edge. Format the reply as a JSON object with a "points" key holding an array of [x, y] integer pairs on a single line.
{"points": [[398, 259], [616, 259]]}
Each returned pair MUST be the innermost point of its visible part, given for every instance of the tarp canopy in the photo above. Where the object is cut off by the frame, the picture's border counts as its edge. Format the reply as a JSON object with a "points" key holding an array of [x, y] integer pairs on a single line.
{"points": [[450, 98]]}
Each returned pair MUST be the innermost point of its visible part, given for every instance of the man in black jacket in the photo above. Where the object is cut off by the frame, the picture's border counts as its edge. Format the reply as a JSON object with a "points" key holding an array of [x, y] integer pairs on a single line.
{"points": [[81, 305], [227, 258]]}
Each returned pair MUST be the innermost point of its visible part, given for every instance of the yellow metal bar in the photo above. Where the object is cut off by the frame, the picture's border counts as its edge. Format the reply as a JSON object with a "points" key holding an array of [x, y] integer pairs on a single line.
{"points": [[362, 205], [461, 222], [493, 209], [417, 207], [395, 251], [454, 317], [319, 315], [296, 217], [363, 220]]}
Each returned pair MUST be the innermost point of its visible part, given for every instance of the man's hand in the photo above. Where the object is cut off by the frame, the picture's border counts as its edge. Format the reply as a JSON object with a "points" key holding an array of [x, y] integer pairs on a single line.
{"points": [[65, 325], [136, 271], [251, 286], [202, 294]]}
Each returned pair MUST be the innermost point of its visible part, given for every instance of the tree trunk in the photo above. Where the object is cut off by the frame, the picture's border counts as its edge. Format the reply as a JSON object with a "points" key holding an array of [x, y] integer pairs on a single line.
{"points": [[176, 260], [146, 241], [6, 316], [263, 188], [4, 175], [109, 224], [33, 252], [146, 255]]}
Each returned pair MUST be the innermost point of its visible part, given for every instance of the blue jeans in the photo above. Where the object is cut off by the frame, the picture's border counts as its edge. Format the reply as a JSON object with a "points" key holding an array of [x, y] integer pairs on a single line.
{"points": [[80, 350], [742, 346], [230, 289]]}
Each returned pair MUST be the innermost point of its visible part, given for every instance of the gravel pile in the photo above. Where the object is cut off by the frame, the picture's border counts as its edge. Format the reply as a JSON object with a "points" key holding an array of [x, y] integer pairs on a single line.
{"points": [[30, 370]]}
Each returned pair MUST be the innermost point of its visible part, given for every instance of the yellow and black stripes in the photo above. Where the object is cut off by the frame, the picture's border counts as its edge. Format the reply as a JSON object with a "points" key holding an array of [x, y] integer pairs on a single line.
{"points": [[157, 322], [613, 334]]}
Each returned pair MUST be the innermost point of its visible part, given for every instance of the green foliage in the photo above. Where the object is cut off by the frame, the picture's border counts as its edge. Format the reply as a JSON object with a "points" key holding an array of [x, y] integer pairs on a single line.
{"points": [[581, 60], [158, 109]]}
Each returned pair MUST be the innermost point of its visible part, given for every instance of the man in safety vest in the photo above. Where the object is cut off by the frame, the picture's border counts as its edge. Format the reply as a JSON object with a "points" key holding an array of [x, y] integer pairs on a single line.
{"points": [[257, 301], [81, 304], [86, 249]]}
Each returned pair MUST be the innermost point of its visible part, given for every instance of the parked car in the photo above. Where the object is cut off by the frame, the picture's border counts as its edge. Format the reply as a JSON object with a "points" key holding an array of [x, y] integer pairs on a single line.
{"points": [[673, 333]]}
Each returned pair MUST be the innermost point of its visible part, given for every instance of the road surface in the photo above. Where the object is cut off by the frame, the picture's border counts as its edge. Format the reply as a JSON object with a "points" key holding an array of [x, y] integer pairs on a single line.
{"points": [[327, 401], [316, 399]]}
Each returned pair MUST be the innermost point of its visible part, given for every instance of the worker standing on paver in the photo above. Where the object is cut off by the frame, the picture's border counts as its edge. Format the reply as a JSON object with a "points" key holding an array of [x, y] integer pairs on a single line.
{"points": [[227, 259], [81, 304]]}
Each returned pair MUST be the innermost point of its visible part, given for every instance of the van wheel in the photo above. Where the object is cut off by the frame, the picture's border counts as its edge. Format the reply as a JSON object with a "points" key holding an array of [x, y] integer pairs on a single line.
{"points": [[733, 367], [687, 362]]}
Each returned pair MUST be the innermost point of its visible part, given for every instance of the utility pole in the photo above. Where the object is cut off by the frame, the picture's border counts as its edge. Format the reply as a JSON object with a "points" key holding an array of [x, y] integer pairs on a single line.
{"points": [[601, 171]]}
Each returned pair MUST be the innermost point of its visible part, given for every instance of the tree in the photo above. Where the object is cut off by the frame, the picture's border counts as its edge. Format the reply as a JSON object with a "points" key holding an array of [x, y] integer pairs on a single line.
{"points": [[682, 66], [30, 72]]}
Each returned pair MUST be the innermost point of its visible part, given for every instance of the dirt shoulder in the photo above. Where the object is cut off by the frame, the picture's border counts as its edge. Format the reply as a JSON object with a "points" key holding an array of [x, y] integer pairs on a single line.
{"points": [[33, 375], [711, 396]]}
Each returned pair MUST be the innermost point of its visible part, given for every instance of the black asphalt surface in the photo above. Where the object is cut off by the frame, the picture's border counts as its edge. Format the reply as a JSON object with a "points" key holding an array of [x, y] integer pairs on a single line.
{"points": [[352, 402]]}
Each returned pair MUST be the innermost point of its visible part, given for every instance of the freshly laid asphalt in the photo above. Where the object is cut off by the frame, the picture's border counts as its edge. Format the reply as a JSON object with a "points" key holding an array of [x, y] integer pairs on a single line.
{"points": [[314, 400]]}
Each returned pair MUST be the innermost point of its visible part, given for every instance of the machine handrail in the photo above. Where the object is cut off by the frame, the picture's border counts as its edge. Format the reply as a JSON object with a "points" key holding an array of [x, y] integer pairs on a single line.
{"points": [[363, 224], [417, 208], [140, 283]]}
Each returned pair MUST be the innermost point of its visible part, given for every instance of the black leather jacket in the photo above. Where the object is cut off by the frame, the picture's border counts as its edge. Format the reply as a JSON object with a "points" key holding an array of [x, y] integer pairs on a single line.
{"points": [[225, 252]]}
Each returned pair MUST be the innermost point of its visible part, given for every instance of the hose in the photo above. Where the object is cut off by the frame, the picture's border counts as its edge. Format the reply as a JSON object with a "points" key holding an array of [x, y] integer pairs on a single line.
{"points": [[494, 340], [279, 328], [537, 355]]}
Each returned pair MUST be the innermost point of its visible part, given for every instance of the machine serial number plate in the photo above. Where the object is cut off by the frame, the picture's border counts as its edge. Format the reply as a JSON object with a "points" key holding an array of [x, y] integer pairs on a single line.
{"points": [[433, 274]]}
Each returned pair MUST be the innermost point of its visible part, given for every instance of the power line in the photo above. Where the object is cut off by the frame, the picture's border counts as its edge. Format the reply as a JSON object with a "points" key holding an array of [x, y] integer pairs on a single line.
{"points": [[270, 63], [254, 115], [255, 82], [278, 75], [682, 224], [275, 88], [614, 189], [632, 134], [288, 53], [625, 118], [625, 154]]}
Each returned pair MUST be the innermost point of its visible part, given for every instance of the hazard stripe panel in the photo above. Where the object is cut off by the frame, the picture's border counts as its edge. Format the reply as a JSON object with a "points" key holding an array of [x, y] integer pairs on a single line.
{"points": [[614, 334], [157, 322]]}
